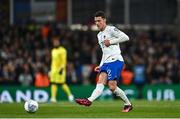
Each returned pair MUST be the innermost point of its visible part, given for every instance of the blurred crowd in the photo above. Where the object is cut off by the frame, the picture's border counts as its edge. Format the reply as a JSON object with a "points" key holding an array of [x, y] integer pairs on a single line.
{"points": [[151, 56]]}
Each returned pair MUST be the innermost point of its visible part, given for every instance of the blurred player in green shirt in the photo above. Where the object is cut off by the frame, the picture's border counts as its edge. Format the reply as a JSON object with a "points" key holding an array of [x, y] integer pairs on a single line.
{"points": [[58, 70]]}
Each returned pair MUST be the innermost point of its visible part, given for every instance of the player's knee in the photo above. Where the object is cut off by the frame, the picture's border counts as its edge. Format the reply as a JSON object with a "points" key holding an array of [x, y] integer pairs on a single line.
{"points": [[112, 87]]}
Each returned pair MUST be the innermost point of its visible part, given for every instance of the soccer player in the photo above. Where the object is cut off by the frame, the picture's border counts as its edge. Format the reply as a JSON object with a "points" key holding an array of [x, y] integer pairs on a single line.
{"points": [[58, 70], [111, 64]]}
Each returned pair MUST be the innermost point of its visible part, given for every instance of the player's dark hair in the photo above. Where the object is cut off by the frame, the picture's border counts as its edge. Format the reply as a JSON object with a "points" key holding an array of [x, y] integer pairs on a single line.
{"points": [[100, 14]]}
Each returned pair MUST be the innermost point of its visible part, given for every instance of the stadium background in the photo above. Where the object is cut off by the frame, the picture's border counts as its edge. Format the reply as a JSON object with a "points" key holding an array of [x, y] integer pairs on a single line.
{"points": [[152, 55]]}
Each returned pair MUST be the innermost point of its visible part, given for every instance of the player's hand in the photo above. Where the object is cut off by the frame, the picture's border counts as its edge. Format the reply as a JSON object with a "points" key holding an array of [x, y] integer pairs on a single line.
{"points": [[107, 43], [97, 69], [61, 71]]}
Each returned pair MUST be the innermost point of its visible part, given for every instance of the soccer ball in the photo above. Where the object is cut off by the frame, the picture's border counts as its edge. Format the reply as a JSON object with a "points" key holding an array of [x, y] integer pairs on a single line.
{"points": [[31, 106]]}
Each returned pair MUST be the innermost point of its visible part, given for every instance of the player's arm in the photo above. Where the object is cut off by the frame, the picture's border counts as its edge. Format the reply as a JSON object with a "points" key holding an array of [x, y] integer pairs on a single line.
{"points": [[97, 69], [118, 37], [63, 62]]}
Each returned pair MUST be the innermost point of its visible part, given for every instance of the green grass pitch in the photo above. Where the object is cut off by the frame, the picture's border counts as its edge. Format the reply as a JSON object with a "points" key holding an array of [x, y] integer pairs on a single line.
{"points": [[99, 109]]}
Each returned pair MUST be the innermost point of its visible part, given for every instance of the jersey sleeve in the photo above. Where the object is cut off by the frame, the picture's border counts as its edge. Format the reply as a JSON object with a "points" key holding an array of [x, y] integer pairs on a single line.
{"points": [[101, 63], [117, 36]]}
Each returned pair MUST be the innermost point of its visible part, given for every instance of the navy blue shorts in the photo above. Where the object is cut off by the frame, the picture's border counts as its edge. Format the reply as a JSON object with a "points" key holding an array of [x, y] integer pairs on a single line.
{"points": [[113, 69]]}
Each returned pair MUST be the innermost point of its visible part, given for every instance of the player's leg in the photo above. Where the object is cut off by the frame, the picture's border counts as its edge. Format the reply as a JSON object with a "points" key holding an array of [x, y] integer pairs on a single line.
{"points": [[99, 87], [120, 93], [54, 88], [97, 91], [65, 87], [67, 90], [114, 73]]}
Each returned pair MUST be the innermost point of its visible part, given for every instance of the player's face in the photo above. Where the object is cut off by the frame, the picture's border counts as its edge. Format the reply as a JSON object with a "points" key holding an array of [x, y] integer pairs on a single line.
{"points": [[56, 42], [100, 23]]}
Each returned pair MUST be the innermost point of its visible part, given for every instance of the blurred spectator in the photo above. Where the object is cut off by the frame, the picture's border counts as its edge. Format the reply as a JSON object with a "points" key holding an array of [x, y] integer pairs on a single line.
{"points": [[25, 77], [45, 31], [126, 76], [139, 73], [41, 78], [153, 55], [71, 74], [139, 76]]}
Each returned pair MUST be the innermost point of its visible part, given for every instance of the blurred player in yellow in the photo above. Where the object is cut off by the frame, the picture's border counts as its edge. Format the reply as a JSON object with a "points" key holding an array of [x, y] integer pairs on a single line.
{"points": [[58, 70]]}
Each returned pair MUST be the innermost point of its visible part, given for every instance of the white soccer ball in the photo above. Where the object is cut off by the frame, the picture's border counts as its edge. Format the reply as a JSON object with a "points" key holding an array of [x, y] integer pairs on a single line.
{"points": [[31, 106]]}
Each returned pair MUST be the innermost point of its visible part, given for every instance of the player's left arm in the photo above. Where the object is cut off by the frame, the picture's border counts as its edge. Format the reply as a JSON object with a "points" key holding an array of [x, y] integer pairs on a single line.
{"points": [[118, 37], [63, 62]]}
